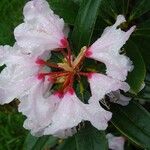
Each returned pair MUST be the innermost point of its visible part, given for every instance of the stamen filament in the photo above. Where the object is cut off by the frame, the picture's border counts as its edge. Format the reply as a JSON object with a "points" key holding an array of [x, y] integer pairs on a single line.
{"points": [[57, 74], [65, 55], [52, 65], [69, 55], [42, 62], [84, 74]]}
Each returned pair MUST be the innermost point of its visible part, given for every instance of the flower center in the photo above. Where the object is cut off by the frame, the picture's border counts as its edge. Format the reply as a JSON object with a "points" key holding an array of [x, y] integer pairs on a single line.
{"points": [[66, 71]]}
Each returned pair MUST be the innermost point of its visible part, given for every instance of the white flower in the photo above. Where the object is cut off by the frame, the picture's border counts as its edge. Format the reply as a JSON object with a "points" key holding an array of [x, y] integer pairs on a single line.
{"points": [[27, 77], [101, 85], [42, 29], [38, 108], [114, 142], [59, 115], [19, 75], [71, 111], [107, 50]]}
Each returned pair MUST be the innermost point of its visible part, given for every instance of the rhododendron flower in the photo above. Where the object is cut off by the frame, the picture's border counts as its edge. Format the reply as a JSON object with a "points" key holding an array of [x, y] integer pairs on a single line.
{"points": [[42, 29], [48, 98], [115, 142]]}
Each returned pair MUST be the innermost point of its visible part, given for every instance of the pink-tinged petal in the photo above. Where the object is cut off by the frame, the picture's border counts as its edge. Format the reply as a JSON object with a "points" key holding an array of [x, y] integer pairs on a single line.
{"points": [[42, 30], [116, 66], [101, 85], [112, 39], [19, 75], [14, 89], [9, 55], [107, 50], [117, 97], [71, 111], [114, 142], [37, 108]]}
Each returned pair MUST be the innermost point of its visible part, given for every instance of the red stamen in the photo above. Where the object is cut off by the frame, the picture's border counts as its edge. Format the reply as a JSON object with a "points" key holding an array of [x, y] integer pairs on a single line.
{"points": [[52, 80], [66, 56], [69, 55], [42, 62], [52, 75], [52, 65], [88, 75], [83, 74], [40, 76]]}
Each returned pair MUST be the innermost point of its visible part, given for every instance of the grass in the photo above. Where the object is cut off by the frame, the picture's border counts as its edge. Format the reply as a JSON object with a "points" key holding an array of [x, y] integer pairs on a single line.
{"points": [[12, 134]]}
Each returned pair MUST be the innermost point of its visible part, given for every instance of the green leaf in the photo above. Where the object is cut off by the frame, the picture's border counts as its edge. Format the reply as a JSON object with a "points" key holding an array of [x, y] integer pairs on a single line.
{"points": [[82, 89], [89, 138], [84, 23], [123, 6], [141, 7], [108, 8], [145, 93], [133, 122], [35, 143], [68, 144], [143, 29], [11, 16], [67, 9], [137, 76], [143, 45]]}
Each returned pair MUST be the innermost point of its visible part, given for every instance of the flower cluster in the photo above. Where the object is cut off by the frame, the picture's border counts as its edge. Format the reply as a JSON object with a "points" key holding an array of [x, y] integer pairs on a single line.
{"points": [[29, 75]]}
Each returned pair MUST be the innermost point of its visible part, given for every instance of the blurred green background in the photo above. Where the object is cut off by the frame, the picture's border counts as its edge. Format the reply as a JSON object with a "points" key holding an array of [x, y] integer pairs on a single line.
{"points": [[12, 134]]}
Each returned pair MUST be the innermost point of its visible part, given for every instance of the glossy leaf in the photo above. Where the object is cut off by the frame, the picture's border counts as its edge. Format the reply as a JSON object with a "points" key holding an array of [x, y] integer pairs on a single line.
{"points": [[143, 45], [137, 76], [68, 144], [141, 7], [108, 8], [11, 16], [84, 24], [89, 138], [145, 93], [133, 122], [67, 9], [82, 90], [35, 143], [143, 29]]}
